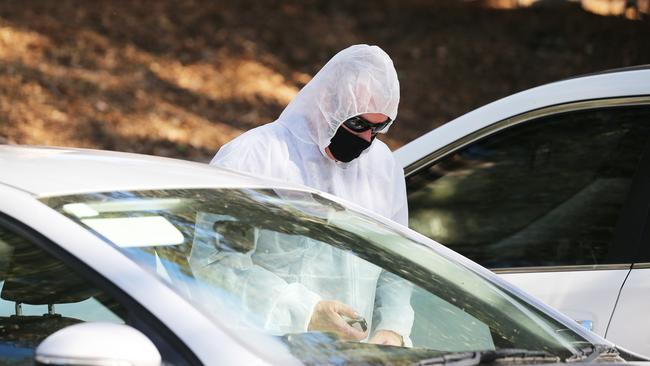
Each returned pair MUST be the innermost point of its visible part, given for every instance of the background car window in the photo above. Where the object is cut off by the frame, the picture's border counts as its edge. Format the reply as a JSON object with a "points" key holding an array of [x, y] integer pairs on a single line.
{"points": [[40, 295], [548, 192]]}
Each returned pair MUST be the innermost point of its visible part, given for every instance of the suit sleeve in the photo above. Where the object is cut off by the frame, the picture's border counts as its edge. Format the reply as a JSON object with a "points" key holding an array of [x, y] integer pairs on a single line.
{"points": [[393, 302]]}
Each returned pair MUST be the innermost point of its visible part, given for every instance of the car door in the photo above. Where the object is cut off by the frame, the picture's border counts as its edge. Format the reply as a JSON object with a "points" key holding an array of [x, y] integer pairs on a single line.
{"points": [[546, 197]]}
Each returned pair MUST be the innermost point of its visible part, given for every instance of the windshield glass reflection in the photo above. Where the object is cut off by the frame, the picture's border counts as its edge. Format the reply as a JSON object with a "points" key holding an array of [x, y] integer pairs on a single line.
{"points": [[276, 261]]}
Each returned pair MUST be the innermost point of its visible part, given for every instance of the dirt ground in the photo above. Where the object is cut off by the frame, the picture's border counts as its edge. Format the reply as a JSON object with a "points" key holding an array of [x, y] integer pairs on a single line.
{"points": [[181, 78]]}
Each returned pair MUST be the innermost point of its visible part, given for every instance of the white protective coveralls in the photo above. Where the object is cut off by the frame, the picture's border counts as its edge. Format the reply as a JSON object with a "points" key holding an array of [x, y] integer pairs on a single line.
{"points": [[359, 79]]}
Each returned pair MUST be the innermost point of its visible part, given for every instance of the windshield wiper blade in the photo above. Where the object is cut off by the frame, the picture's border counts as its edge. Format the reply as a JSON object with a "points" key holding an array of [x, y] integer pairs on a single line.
{"points": [[506, 355], [596, 353]]}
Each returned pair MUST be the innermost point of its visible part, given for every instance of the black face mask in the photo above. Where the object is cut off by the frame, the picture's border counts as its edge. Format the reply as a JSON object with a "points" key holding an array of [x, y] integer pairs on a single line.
{"points": [[346, 146]]}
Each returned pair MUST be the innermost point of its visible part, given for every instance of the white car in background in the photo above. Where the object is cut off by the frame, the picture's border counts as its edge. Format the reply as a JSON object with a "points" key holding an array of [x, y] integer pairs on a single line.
{"points": [[550, 188], [114, 258]]}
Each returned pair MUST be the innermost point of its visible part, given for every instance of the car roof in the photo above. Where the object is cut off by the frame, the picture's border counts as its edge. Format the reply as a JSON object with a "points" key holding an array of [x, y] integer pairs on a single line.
{"points": [[612, 71], [49, 171], [628, 82]]}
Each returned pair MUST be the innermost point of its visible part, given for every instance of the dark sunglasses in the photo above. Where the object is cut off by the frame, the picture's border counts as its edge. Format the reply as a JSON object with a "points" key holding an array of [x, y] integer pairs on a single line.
{"points": [[358, 124]]}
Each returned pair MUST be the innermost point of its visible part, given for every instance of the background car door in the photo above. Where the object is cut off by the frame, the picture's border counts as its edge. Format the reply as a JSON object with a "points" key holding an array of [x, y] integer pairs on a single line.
{"points": [[548, 200]]}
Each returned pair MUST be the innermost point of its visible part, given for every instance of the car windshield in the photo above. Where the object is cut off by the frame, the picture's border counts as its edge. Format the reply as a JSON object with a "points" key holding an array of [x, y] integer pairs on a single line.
{"points": [[268, 260]]}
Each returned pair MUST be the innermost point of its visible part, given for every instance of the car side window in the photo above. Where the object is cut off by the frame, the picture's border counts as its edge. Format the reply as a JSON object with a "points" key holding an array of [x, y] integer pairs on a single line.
{"points": [[40, 295], [548, 192]]}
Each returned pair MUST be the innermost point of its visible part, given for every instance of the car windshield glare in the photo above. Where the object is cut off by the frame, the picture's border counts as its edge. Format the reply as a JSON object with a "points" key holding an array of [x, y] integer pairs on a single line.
{"points": [[261, 259]]}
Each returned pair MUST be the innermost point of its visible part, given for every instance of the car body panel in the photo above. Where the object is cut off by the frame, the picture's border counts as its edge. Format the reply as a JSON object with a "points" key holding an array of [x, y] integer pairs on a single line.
{"points": [[60, 171], [569, 291], [632, 309]]}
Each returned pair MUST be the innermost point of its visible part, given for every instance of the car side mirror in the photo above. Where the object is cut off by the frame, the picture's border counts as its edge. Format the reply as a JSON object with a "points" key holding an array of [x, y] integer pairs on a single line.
{"points": [[97, 344]]}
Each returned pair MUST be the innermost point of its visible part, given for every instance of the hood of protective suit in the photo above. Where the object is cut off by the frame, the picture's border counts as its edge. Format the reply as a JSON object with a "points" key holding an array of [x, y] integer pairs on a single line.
{"points": [[359, 79]]}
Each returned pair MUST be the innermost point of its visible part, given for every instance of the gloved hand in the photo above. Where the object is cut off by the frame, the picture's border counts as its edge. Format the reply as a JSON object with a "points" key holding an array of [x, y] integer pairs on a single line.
{"points": [[387, 337], [327, 318]]}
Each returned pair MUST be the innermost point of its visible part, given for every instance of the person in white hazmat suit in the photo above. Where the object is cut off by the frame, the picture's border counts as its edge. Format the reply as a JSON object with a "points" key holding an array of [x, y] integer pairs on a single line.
{"points": [[325, 139]]}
